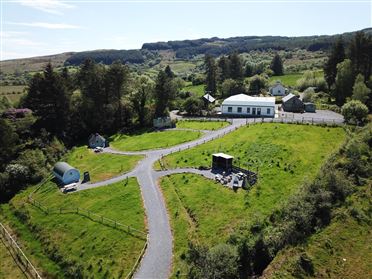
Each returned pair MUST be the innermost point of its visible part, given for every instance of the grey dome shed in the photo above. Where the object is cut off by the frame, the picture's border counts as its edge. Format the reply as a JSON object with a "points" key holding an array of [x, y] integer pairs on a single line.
{"points": [[66, 173]]}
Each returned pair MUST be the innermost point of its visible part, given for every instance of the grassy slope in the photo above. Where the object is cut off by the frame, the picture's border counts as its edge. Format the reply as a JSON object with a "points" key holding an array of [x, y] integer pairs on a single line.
{"points": [[96, 248], [198, 90], [291, 79], [101, 166], [151, 140], [202, 125], [207, 212], [345, 238], [8, 267]]}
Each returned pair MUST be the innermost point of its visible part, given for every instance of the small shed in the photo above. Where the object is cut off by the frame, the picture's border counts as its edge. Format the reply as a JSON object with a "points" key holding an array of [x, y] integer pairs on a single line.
{"points": [[309, 107], [278, 89], [292, 103], [209, 98], [162, 122], [96, 140], [65, 173], [222, 161]]}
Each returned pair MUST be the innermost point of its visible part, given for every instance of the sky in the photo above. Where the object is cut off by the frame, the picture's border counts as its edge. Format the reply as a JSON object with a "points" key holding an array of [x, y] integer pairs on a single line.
{"points": [[42, 27]]}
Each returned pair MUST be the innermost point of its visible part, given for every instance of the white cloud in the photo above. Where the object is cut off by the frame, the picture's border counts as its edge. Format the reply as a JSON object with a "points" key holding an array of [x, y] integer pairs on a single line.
{"points": [[48, 6], [46, 25]]}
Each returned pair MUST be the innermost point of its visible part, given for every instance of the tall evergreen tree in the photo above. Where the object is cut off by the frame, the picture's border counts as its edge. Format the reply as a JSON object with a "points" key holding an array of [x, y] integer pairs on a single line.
{"points": [[344, 81], [164, 93], [141, 96], [360, 54], [223, 69], [49, 99], [337, 55], [236, 68], [210, 74], [277, 65], [168, 71]]}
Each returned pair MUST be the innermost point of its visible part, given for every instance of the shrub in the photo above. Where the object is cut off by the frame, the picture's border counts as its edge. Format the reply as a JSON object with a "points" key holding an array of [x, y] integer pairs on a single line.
{"points": [[355, 112]]}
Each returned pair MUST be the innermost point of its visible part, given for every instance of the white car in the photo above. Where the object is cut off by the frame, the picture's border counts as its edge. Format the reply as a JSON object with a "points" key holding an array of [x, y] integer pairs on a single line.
{"points": [[98, 149], [69, 187]]}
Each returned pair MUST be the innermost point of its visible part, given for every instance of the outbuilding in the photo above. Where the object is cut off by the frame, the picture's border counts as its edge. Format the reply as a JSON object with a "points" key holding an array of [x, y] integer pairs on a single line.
{"points": [[278, 89], [66, 173], [96, 140], [309, 107], [222, 161], [248, 106], [292, 103], [162, 122]]}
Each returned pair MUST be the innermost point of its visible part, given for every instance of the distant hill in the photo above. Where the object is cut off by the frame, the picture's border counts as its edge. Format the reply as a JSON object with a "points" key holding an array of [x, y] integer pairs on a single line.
{"points": [[184, 49]]}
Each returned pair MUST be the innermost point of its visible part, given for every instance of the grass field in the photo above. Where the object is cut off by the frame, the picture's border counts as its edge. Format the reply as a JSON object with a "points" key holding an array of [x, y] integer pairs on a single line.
{"points": [[151, 140], [341, 250], [64, 244], [201, 125], [12, 92], [285, 155], [8, 267], [101, 166], [198, 90], [291, 79]]}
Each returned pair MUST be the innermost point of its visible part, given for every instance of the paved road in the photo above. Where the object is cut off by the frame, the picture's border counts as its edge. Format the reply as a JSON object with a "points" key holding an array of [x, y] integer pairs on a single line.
{"points": [[157, 260]]}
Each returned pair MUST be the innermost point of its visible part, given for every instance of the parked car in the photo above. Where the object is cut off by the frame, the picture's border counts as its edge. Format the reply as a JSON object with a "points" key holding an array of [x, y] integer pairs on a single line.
{"points": [[69, 188], [98, 149]]}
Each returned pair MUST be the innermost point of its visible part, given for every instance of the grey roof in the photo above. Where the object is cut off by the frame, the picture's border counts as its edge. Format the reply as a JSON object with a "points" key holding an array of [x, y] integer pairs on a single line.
{"points": [[61, 167], [93, 136], [288, 97]]}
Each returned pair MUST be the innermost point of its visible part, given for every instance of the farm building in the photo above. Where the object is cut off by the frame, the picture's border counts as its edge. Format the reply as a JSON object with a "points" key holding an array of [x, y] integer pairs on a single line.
{"points": [[278, 89], [248, 106], [96, 140], [65, 173], [208, 99], [292, 103], [222, 161], [309, 107], [162, 122]]}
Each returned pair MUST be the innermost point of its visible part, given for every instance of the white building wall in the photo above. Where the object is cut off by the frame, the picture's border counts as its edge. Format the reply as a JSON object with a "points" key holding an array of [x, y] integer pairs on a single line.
{"points": [[245, 112], [278, 90]]}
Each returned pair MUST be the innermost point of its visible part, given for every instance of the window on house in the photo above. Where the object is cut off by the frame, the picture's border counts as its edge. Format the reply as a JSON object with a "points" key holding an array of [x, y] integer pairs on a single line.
{"points": [[239, 110], [248, 110], [253, 110], [229, 109], [268, 111], [258, 111]]}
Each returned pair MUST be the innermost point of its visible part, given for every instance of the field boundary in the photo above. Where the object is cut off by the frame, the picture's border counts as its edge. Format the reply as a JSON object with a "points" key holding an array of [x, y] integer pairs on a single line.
{"points": [[22, 259]]}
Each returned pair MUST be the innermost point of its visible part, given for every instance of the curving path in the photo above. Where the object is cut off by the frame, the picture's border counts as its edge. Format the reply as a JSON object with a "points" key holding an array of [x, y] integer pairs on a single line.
{"points": [[157, 260]]}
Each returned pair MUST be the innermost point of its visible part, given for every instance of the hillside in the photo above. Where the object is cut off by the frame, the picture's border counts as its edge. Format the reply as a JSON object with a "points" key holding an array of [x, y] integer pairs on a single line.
{"points": [[152, 54]]}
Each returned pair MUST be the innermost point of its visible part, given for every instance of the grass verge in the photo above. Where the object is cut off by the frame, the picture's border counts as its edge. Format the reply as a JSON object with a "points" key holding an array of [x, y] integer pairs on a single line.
{"points": [[201, 125]]}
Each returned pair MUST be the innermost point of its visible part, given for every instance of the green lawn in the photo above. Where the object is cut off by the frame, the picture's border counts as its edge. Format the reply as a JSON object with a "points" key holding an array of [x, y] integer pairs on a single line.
{"points": [[101, 166], [285, 155], [198, 90], [202, 125], [62, 244], [291, 79], [151, 140]]}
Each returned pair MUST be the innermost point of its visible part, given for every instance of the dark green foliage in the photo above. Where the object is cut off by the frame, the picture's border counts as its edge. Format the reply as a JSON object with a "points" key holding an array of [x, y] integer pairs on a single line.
{"points": [[236, 68], [360, 53], [210, 74], [232, 87], [337, 55], [344, 81], [248, 70], [193, 105], [8, 142], [355, 112], [219, 262], [256, 84], [144, 89], [223, 69], [165, 92], [277, 65]]}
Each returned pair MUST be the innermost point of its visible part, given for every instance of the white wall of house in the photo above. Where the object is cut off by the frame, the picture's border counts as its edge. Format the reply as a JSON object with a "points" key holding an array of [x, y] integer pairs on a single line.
{"points": [[248, 110], [277, 90]]}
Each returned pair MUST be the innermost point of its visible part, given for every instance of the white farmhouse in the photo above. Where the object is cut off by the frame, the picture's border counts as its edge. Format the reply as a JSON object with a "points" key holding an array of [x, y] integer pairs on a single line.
{"points": [[248, 106], [277, 90]]}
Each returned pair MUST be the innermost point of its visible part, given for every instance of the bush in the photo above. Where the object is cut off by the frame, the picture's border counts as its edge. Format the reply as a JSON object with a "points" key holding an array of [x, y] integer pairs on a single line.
{"points": [[309, 95], [355, 112]]}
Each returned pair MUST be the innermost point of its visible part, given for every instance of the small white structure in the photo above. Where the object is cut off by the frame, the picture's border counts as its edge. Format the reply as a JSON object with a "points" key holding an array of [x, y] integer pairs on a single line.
{"points": [[278, 89], [65, 173], [248, 106], [209, 98], [162, 122]]}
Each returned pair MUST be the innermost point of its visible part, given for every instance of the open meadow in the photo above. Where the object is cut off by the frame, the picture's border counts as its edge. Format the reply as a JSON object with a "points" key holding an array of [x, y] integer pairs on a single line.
{"points": [[206, 212], [151, 140], [66, 244], [101, 166]]}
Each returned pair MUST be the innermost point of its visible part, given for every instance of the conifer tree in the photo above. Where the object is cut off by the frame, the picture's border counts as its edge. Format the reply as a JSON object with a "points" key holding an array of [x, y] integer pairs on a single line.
{"points": [[277, 65]]}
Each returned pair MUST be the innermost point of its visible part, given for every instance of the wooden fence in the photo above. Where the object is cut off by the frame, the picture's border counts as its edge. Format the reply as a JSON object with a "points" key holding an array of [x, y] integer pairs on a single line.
{"points": [[21, 259]]}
